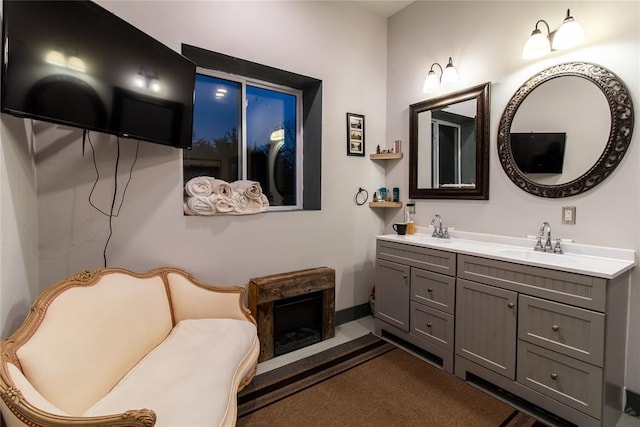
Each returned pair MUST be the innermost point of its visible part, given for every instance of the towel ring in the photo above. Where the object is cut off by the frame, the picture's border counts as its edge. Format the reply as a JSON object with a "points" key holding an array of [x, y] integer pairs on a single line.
{"points": [[360, 194]]}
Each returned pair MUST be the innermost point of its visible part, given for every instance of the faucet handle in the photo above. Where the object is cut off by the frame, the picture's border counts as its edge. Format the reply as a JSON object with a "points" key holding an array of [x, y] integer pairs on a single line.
{"points": [[539, 246], [557, 249], [445, 234]]}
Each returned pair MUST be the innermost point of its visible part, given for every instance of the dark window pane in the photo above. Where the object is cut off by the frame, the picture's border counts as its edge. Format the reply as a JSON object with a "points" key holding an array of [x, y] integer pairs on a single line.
{"points": [[271, 143], [216, 121]]}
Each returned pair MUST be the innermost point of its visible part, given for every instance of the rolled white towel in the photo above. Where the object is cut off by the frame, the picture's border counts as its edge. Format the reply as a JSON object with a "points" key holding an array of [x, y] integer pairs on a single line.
{"points": [[199, 186], [240, 202], [223, 204], [221, 187], [200, 205], [251, 189]]}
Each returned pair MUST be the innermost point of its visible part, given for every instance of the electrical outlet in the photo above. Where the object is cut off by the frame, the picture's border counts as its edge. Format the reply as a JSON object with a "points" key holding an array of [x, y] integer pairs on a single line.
{"points": [[568, 214]]}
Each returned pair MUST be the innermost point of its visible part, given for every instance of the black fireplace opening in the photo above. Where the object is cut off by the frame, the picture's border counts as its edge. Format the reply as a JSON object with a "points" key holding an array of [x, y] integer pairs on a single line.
{"points": [[297, 322]]}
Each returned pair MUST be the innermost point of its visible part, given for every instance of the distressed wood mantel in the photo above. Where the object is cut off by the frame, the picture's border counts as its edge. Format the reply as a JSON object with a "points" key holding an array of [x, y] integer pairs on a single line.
{"points": [[264, 291]]}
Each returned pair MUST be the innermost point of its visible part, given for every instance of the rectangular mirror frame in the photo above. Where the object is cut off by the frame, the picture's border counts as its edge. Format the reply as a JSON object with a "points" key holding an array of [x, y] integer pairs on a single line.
{"points": [[481, 191]]}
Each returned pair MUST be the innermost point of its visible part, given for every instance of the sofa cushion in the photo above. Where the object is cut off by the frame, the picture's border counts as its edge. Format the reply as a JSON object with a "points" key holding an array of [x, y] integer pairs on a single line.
{"points": [[191, 379], [92, 335]]}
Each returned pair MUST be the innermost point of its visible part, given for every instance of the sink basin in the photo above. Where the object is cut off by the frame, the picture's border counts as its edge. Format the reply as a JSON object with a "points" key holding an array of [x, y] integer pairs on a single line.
{"points": [[425, 238], [531, 255]]}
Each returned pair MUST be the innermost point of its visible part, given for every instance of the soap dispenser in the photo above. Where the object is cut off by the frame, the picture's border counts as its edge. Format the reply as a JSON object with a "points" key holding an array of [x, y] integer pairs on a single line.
{"points": [[409, 217]]}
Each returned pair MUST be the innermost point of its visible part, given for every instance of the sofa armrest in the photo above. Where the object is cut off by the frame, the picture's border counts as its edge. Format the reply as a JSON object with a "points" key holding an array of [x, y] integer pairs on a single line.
{"points": [[192, 299], [16, 411]]}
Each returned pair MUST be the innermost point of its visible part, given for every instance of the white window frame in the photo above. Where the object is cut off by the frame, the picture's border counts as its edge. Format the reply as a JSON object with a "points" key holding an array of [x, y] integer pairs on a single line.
{"points": [[242, 157], [435, 125]]}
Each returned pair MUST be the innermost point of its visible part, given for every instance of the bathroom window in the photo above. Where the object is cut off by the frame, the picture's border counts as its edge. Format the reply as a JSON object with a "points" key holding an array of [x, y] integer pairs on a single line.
{"points": [[308, 154], [248, 129]]}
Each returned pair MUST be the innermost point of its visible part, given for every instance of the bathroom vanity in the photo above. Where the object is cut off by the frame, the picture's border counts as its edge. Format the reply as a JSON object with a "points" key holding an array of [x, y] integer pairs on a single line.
{"points": [[548, 328]]}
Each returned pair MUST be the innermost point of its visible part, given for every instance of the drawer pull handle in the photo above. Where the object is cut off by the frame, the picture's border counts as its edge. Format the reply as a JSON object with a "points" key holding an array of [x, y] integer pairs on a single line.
{"points": [[429, 325], [554, 376], [404, 276], [429, 290], [555, 327], [510, 305]]}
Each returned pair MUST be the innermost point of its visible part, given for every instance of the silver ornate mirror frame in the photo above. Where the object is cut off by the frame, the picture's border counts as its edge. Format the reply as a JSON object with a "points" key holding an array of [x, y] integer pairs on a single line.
{"points": [[621, 108]]}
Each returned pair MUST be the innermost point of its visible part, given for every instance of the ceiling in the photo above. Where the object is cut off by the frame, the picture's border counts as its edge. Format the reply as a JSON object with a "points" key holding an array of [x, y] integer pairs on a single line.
{"points": [[384, 8]]}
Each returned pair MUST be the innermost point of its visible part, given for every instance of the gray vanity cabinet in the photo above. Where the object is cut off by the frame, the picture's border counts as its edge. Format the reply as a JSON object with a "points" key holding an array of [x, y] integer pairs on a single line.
{"points": [[415, 297], [556, 339], [551, 337], [486, 323]]}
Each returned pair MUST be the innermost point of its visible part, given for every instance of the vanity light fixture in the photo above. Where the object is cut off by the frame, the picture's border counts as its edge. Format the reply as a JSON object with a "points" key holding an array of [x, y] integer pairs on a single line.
{"points": [[568, 35], [448, 76], [147, 81], [57, 57]]}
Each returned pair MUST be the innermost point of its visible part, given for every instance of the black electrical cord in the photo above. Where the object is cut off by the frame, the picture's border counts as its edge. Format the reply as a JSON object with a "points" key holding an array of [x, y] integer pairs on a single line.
{"points": [[111, 213], [113, 202]]}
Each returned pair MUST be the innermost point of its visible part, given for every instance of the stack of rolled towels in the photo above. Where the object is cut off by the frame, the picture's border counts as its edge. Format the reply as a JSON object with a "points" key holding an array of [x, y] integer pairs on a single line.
{"points": [[207, 195]]}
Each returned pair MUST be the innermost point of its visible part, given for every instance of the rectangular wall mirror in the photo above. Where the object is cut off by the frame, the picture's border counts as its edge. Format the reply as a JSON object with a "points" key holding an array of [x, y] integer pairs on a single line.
{"points": [[449, 146]]}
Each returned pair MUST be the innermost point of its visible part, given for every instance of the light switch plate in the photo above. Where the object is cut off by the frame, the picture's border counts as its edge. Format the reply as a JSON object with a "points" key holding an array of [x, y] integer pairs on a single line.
{"points": [[568, 214]]}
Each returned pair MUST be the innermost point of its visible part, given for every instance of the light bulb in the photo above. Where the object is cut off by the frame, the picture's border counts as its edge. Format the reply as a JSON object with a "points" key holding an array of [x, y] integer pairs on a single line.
{"points": [[76, 64], [154, 85], [431, 82], [139, 80], [569, 34], [55, 57], [537, 45], [449, 75]]}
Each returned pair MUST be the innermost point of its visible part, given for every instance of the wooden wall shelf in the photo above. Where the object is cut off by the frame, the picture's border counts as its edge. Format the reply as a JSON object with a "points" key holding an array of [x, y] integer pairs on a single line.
{"points": [[385, 156], [385, 204]]}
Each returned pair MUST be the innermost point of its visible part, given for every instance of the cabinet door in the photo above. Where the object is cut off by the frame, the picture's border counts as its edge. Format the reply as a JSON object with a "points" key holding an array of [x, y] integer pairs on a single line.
{"points": [[486, 319], [392, 294]]}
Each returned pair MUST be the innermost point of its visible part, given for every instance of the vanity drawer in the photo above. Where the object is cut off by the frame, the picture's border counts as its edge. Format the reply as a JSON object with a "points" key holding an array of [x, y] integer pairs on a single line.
{"points": [[432, 325], [416, 256], [568, 330], [569, 288], [434, 290], [575, 383]]}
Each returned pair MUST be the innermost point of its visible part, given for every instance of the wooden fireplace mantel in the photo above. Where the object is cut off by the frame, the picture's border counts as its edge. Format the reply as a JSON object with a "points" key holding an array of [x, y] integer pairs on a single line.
{"points": [[264, 291]]}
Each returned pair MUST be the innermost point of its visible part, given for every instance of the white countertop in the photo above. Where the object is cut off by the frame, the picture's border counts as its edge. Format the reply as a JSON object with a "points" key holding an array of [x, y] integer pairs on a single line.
{"points": [[597, 261]]}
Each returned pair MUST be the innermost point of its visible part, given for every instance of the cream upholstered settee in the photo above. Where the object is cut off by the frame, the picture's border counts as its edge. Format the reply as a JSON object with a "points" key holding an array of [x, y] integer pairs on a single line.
{"points": [[116, 348]]}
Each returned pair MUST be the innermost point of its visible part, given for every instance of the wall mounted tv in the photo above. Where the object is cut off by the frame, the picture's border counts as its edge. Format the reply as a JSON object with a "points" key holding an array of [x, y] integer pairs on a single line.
{"points": [[538, 152], [75, 63]]}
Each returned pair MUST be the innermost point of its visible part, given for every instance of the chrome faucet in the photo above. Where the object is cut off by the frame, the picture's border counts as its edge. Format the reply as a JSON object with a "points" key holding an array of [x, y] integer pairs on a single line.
{"points": [[440, 231], [545, 233]]}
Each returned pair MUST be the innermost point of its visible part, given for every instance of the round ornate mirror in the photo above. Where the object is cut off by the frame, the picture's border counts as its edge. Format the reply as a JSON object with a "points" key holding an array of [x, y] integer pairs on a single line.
{"points": [[565, 130]]}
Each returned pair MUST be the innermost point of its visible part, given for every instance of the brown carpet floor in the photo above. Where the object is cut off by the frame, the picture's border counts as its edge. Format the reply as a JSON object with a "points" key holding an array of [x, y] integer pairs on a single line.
{"points": [[394, 388]]}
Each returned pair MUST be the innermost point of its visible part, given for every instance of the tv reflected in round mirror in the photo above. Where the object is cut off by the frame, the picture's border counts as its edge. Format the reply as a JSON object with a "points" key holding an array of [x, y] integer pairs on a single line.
{"points": [[565, 130]]}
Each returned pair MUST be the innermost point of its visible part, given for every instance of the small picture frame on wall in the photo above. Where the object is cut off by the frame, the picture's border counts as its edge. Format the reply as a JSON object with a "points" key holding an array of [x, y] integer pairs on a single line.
{"points": [[355, 134]]}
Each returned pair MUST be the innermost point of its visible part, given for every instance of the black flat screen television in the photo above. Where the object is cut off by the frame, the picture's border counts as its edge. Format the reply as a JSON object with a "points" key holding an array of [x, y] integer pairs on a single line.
{"points": [[75, 63], [538, 152]]}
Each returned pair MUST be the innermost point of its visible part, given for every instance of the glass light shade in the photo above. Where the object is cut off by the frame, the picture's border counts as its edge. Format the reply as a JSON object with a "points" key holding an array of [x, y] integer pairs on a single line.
{"points": [[569, 34], [140, 80], [431, 82], [55, 57], [76, 64], [537, 45], [154, 85], [450, 75]]}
